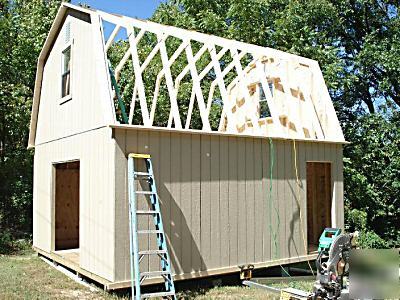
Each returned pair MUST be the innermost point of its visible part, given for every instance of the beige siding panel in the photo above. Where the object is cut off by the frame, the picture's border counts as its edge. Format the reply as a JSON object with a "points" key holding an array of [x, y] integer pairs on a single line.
{"points": [[249, 199], [205, 201], [224, 201], [155, 149], [175, 212], [164, 188], [339, 187], [186, 204], [266, 213], [300, 194], [274, 202], [143, 202], [215, 194], [197, 259], [215, 235], [330, 153], [291, 208], [282, 201], [259, 203], [242, 205], [233, 201], [302, 174]]}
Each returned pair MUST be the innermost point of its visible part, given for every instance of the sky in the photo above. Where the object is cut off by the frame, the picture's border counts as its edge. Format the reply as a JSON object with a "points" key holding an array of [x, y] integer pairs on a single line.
{"points": [[141, 9]]}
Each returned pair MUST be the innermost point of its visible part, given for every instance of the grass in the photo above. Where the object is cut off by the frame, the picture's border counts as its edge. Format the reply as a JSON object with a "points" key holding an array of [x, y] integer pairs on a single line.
{"points": [[26, 276], [300, 285]]}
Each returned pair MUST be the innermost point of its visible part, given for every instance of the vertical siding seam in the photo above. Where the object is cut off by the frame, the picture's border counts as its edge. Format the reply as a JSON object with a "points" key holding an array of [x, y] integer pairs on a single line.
{"points": [[254, 201], [262, 197], [229, 223], [200, 179]]}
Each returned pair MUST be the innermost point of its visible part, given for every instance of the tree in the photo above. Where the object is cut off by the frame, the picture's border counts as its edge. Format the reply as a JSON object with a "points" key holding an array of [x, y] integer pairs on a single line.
{"points": [[372, 177], [356, 42], [357, 45], [23, 28], [370, 43]]}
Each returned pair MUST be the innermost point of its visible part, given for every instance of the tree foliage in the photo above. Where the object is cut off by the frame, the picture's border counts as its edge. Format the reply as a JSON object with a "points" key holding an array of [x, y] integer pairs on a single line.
{"points": [[372, 176], [23, 28], [356, 42]]}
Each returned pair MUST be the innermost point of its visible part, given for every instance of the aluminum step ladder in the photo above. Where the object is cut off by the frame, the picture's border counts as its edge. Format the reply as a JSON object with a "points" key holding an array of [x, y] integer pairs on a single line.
{"points": [[136, 255]]}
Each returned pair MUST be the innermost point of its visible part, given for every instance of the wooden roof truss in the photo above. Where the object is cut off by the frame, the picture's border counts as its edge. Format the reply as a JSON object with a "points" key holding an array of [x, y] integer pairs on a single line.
{"points": [[294, 89]]}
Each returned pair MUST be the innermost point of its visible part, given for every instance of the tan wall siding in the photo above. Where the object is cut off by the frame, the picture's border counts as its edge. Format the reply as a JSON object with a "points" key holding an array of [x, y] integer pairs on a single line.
{"points": [[86, 110], [216, 195], [95, 151]]}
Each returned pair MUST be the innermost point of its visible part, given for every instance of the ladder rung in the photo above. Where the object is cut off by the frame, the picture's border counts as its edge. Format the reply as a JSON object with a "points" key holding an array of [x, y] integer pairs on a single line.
{"points": [[150, 252], [149, 231], [159, 294], [142, 174], [146, 192], [146, 212], [155, 273]]}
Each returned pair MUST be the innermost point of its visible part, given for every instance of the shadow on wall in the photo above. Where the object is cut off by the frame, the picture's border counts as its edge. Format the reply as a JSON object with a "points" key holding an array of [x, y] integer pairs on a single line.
{"points": [[183, 247], [295, 218]]}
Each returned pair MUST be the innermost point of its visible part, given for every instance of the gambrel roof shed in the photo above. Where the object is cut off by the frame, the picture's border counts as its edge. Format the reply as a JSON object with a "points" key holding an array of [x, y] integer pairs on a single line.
{"points": [[292, 77], [245, 141]]}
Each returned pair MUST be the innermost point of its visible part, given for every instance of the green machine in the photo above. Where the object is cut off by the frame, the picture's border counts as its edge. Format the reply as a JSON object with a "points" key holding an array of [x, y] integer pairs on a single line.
{"points": [[327, 238]]}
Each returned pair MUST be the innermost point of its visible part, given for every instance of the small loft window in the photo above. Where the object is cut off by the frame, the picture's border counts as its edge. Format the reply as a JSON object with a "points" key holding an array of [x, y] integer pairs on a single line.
{"points": [[262, 92], [66, 73], [264, 109]]}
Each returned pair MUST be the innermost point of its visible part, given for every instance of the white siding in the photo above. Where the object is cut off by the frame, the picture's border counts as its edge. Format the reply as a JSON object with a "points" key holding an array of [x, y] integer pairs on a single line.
{"points": [[95, 151], [86, 110]]}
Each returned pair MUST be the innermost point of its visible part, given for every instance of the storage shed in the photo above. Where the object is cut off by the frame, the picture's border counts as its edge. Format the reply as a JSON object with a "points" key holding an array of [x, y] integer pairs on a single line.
{"points": [[245, 143]]}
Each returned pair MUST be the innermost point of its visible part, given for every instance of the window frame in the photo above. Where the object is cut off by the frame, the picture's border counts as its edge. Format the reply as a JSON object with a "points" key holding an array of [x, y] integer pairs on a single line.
{"points": [[262, 98], [67, 46]]}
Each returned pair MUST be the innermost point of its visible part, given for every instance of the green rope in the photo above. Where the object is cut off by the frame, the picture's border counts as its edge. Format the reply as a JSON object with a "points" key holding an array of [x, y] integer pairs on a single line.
{"points": [[274, 233], [118, 95]]}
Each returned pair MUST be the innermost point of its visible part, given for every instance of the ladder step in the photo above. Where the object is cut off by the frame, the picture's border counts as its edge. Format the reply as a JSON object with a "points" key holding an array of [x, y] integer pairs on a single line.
{"points": [[159, 294], [149, 231], [150, 252], [155, 273], [142, 174], [146, 212], [146, 192]]}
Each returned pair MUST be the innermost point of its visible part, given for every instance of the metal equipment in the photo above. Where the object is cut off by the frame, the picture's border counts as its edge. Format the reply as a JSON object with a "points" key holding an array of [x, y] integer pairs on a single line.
{"points": [[332, 269], [161, 252], [333, 264]]}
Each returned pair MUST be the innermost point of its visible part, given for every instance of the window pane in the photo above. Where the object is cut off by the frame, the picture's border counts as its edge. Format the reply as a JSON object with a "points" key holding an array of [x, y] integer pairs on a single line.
{"points": [[262, 92], [264, 109], [66, 73], [65, 84], [67, 59]]}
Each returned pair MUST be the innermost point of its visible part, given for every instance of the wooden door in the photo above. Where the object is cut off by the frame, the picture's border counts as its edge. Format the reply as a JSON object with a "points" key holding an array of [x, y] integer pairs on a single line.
{"points": [[319, 201], [67, 206]]}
